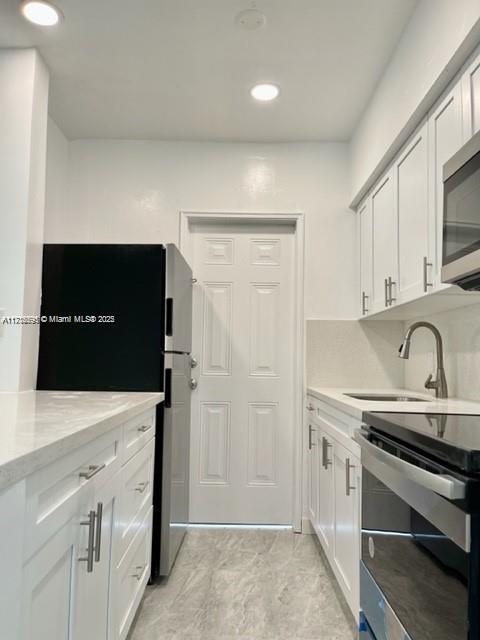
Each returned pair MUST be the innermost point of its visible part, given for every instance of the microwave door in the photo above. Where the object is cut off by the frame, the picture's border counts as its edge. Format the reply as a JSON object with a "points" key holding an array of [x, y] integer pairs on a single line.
{"points": [[178, 302]]}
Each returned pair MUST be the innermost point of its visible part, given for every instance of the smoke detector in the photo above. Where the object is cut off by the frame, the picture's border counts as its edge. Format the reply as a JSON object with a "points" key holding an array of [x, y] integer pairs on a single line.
{"points": [[250, 19]]}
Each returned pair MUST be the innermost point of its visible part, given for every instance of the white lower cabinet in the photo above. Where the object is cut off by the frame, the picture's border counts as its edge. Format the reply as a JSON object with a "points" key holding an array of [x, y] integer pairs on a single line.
{"points": [[346, 539], [312, 467], [325, 514], [336, 520], [85, 537]]}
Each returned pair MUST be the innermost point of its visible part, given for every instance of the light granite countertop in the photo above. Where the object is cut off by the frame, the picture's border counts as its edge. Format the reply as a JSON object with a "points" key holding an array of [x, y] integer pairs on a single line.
{"points": [[336, 397], [37, 427]]}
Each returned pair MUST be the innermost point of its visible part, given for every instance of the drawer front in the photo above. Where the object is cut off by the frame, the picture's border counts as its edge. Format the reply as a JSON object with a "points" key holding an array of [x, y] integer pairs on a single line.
{"points": [[137, 432], [136, 489], [55, 493], [132, 576]]}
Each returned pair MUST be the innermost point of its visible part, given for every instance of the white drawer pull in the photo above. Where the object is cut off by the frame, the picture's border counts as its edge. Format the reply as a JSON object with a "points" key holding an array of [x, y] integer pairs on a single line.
{"points": [[144, 428], [93, 469], [139, 572], [141, 486]]}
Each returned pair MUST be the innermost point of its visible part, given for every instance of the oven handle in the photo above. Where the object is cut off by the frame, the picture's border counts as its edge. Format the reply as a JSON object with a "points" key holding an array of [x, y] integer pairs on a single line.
{"points": [[444, 485]]}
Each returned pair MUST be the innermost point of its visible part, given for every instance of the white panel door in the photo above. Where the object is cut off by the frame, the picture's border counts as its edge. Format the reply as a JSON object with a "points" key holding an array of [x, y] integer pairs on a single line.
{"points": [[242, 410], [411, 198], [366, 257], [384, 241], [445, 137]]}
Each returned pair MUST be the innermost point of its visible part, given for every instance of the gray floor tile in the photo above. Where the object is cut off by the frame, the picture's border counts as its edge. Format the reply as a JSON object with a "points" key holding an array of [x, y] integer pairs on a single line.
{"points": [[257, 584]]}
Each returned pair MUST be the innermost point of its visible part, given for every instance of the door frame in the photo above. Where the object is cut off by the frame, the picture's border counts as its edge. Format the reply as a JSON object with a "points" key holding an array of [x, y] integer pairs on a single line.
{"points": [[295, 220]]}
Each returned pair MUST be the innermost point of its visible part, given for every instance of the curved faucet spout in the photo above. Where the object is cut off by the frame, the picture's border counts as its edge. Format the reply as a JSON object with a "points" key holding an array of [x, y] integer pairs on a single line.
{"points": [[440, 383]]}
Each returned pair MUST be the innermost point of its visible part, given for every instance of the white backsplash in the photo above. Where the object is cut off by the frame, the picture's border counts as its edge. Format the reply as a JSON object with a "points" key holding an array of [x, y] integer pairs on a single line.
{"points": [[460, 329], [348, 353]]}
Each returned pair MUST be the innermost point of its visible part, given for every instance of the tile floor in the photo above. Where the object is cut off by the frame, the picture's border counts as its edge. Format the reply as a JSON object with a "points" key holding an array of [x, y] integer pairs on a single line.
{"points": [[245, 584]]}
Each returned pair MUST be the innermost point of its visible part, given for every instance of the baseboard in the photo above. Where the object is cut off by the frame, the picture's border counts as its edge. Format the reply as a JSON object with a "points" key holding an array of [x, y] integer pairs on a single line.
{"points": [[307, 526]]}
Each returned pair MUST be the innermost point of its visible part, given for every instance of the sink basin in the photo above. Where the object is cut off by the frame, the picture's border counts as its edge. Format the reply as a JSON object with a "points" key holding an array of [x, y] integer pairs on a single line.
{"points": [[384, 397]]}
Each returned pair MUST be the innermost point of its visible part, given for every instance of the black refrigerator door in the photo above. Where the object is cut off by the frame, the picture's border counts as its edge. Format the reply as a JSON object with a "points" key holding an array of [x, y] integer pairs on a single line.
{"points": [[105, 318], [179, 302]]}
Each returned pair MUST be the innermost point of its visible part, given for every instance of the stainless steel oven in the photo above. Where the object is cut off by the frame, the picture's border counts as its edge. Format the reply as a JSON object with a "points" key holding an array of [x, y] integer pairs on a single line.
{"points": [[461, 217], [419, 571]]}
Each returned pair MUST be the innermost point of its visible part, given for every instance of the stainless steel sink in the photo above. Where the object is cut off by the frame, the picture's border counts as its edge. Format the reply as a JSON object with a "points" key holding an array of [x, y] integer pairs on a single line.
{"points": [[384, 397]]}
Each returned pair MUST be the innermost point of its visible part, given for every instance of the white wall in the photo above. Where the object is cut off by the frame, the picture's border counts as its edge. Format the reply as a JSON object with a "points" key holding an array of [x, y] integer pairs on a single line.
{"points": [[23, 125], [433, 47], [133, 191]]}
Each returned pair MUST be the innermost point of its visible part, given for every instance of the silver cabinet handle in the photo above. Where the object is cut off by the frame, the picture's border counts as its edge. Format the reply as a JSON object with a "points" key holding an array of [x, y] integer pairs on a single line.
{"points": [[386, 292], [426, 283], [141, 486], [138, 572], [391, 299], [310, 407], [193, 384], [90, 523], [98, 534], [325, 446], [443, 484], [348, 467], [310, 431], [364, 303], [145, 427], [93, 469]]}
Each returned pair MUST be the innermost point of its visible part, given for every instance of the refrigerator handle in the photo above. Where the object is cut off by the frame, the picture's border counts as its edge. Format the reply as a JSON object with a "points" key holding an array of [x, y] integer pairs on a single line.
{"points": [[169, 317], [168, 389]]}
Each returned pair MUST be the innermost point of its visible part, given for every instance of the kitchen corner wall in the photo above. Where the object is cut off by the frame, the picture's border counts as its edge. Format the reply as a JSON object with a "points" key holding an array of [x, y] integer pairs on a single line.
{"points": [[460, 329], [132, 191], [349, 353]]}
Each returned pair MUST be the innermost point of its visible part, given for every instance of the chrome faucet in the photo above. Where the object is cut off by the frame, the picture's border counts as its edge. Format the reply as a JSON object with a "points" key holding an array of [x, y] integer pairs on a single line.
{"points": [[440, 382]]}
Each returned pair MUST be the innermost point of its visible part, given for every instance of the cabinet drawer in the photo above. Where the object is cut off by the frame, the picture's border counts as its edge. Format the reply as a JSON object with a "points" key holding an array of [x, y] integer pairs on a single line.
{"points": [[131, 577], [55, 493], [136, 488], [137, 432]]}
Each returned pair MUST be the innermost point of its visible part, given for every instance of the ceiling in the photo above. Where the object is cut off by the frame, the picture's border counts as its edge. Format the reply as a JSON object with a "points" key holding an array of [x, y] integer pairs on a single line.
{"points": [[182, 69]]}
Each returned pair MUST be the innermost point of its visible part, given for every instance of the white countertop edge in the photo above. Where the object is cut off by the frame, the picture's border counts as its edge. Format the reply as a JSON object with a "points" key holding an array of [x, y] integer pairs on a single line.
{"points": [[24, 465], [355, 408]]}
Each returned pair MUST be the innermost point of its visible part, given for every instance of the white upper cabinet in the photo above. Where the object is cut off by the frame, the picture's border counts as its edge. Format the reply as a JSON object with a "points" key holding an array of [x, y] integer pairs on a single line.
{"points": [[365, 235], [384, 244], [471, 97], [445, 137], [411, 203]]}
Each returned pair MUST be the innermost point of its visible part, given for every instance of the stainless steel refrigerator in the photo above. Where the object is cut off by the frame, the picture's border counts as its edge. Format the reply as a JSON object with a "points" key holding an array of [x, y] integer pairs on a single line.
{"points": [[143, 294]]}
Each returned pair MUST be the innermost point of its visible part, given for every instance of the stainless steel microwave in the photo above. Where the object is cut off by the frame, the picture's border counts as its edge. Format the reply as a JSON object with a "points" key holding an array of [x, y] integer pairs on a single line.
{"points": [[461, 217]]}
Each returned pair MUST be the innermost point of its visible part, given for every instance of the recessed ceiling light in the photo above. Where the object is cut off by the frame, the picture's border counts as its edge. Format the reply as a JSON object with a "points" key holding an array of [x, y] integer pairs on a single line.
{"points": [[264, 92], [40, 12]]}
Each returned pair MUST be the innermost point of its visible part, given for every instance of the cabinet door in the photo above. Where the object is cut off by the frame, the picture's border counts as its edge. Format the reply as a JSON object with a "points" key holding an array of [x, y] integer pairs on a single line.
{"points": [[365, 232], [312, 472], [347, 523], [49, 585], [325, 491], [92, 590], [445, 137], [471, 98], [411, 200], [384, 241]]}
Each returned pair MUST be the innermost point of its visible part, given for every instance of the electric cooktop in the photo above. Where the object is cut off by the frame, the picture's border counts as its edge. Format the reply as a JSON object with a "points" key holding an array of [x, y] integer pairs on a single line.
{"points": [[454, 439]]}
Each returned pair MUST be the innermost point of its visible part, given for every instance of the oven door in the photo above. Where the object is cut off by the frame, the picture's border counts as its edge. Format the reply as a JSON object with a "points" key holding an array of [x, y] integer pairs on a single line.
{"points": [[415, 546]]}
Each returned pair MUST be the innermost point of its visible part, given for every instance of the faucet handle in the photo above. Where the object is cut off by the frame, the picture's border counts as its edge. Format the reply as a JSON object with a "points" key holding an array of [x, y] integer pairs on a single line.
{"points": [[429, 384]]}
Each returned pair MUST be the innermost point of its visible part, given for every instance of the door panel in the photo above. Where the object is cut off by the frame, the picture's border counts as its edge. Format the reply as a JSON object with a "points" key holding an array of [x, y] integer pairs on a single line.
{"points": [[242, 414], [384, 239], [411, 186], [325, 491], [445, 137], [366, 257]]}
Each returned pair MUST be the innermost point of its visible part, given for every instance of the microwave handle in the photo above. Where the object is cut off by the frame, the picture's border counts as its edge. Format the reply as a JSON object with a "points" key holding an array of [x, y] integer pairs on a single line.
{"points": [[444, 485]]}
